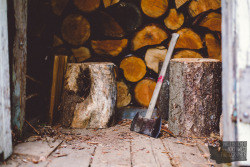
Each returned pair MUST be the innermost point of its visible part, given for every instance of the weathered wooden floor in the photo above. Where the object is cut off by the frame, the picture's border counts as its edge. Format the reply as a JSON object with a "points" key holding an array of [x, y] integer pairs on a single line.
{"points": [[116, 146]]}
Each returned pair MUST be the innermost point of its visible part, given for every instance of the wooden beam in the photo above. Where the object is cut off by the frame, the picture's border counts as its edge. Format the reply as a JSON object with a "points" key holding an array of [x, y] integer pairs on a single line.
{"points": [[5, 112], [19, 65]]}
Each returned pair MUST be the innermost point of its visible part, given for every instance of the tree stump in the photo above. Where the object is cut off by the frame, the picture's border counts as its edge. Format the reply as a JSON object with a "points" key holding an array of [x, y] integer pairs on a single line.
{"points": [[195, 97], [89, 95]]}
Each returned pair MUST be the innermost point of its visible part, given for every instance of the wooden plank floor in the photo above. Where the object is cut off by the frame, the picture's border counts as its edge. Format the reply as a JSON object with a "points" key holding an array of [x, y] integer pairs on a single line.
{"points": [[117, 146]]}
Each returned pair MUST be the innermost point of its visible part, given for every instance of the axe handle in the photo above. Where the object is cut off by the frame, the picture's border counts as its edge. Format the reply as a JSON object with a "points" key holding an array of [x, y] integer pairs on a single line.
{"points": [[162, 75]]}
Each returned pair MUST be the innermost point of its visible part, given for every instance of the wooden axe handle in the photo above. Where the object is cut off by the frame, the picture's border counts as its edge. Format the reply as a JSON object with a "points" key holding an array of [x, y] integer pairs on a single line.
{"points": [[161, 76]]}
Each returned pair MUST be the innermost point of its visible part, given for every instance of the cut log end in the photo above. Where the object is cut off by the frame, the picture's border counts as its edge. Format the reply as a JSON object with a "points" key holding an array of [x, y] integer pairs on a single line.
{"points": [[81, 54], [154, 8], [123, 95], [134, 68], [212, 21], [179, 3], [174, 20], [188, 39], [109, 47], [150, 35], [213, 47], [155, 55], [187, 54], [197, 7], [58, 6], [75, 29], [144, 91], [87, 5]]}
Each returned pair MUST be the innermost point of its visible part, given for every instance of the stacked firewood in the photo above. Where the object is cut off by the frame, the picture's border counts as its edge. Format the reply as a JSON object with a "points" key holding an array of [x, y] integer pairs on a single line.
{"points": [[134, 34]]}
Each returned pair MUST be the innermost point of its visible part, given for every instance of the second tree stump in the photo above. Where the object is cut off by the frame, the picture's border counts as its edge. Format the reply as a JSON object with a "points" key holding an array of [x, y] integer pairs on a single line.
{"points": [[194, 96]]}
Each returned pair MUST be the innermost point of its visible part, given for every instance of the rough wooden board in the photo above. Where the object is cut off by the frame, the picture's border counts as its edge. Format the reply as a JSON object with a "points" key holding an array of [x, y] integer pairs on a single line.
{"points": [[114, 154], [145, 153], [184, 155], [79, 156], [5, 106], [37, 148]]}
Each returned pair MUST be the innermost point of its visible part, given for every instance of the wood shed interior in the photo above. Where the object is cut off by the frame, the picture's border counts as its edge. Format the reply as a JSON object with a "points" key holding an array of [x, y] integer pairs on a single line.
{"points": [[133, 34]]}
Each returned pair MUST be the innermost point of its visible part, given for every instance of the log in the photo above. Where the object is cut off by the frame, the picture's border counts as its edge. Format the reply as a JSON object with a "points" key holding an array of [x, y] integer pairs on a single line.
{"points": [[81, 54], [188, 39], [109, 47], [174, 20], [187, 54], [123, 95], [59, 68], [127, 14], [213, 47], [57, 41], [154, 8], [89, 95], [108, 3], [153, 56], [179, 3], [134, 68], [87, 5], [212, 21], [58, 6], [144, 91], [106, 25], [200, 6], [151, 34], [197, 84], [75, 29]]}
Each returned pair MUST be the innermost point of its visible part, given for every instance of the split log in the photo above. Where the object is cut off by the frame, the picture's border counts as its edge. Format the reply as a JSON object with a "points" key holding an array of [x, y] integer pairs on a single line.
{"points": [[81, 54], [57, 41], [179, 3], [144, 91], [108, 3], [106, 25], [197, 84], [87, 5], [152, 34], [153, 56], [75, 29], [58, 6], [174, 20], [127, 14], [89, 95], [188, 39], [109, 47], [134, 68], [212, 21], [213, 47], [197, 7], [154, 8], [123, 95], [187, 54]]}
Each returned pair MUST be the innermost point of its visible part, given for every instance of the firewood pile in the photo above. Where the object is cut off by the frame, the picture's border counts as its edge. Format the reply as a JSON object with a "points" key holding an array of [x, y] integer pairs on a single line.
{"points": [[134, 34]]}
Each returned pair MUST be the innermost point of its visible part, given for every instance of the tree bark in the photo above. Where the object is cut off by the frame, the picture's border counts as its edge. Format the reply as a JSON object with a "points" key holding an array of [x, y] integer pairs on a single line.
{"points": [[187, 54], [154, 8], [144, 91], [212, 21], [188, 39], [174, 20], [87, 5], [195, 97], [89, 95], [153, 56], [75, 29], [134, 68], [109, 47], [213, 47], [123, 95], [197, 7], [152, 34]]}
